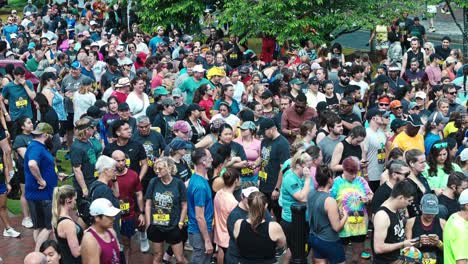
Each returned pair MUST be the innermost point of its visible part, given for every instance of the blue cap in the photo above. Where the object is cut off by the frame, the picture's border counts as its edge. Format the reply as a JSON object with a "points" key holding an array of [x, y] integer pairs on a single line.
{"points": [[31, 45], [76, 65], [178, 144]]}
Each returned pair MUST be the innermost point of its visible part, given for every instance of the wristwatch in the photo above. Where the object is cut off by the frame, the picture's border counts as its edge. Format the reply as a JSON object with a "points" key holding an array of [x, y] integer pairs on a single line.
{"points": [[277, 189]]}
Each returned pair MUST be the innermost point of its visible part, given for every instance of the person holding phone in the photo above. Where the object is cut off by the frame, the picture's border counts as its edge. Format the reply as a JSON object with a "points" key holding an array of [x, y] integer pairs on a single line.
{"points": [[429, 229]]}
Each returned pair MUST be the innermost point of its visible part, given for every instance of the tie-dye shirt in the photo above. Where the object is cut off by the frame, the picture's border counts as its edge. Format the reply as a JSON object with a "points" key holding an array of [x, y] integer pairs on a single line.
{"points": [[348, 196]]}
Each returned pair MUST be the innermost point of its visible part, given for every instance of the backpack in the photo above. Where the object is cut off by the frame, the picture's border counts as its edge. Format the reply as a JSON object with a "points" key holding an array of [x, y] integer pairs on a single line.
{"points": [[83, 207]]}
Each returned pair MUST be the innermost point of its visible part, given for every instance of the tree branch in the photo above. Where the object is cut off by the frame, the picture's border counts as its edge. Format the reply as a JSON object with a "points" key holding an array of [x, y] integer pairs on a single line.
{"points": [[347, 31], [464, 33]]}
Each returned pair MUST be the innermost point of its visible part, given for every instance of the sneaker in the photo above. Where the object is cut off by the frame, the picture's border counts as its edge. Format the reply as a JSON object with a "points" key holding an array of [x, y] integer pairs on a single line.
{"points": [[365, 255], [27, 222], [144, 244], [10, 232], [188, 247]]}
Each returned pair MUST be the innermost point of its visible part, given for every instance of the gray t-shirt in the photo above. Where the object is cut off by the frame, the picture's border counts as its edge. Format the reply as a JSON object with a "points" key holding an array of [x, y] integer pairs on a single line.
{"points": [[319, 223], [375, 144], [21, 141], [327, 145], [166, 202], [83, 154]]}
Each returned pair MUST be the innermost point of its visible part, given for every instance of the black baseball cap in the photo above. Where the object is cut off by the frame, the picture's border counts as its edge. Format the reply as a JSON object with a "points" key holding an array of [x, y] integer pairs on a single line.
{"points": [[265, 124]]}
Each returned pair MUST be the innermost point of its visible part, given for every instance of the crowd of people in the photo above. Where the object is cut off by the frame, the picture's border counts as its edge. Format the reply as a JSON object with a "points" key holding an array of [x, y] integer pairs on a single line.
{"points": [[178, 143]]}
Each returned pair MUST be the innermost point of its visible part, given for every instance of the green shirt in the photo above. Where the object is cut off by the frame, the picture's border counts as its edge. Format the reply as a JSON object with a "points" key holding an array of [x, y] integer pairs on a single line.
{"points": [[439, 181], [189, 86], [455, 239], [32, 65], [291, 184]]}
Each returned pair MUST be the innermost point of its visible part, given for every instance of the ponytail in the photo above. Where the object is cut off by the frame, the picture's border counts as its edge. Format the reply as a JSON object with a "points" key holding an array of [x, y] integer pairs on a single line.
{"points": [[257, 202], [61, 194]]}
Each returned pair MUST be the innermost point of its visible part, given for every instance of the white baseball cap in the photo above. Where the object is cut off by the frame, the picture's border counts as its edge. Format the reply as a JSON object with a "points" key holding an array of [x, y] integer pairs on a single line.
{"points": [[249, 190], [198, 68], [102, 206], [464, 155], [463, 199]]}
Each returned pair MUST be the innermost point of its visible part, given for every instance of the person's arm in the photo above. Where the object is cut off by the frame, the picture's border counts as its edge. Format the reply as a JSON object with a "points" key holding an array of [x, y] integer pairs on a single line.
{"points": [[21, 151], [202, 226], [29, 91], [403, 64], [275, 193], [302, 194], [90, 250], [36, 173], [336, 157], [148, 213], [141, 205], [371, 36], [381, 223], [350, 126], [72, 240], [319, 137], [331, 207], [277, 234], [144, 168], [183, 214], [80, 179], [409, 228], [115, 187]]}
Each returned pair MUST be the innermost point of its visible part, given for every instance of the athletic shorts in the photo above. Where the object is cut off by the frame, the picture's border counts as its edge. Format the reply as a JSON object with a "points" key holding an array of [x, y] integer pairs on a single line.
{"points": [[41, 213], [156, 235], [353, 239], [380, 45], [3, 188], [127, 228], [2, 134], [331, 251], [286, 226]]}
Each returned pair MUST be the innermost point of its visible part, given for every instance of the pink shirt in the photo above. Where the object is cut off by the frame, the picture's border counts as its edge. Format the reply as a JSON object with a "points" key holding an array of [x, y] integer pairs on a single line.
{"points": [[224, 203], [252, 150]]}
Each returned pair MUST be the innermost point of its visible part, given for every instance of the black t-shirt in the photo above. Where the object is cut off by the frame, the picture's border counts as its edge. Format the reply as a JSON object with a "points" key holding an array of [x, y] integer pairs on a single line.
{"points": [[21, 141], [100, 190], [183, 170], [51, 118], [451, 205], [382, 194], [444, 53], [166, 202], [83, 154], [181, 111], [133, 150], [274, 153], [350, 118], [153, 144]]}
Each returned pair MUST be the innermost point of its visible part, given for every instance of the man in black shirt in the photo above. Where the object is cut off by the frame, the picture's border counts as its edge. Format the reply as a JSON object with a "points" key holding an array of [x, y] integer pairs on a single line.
{"points": [[341, 86], [389, 229], [397, 172], [448, 199], [136, 155], [349, 118], [444, 49]]}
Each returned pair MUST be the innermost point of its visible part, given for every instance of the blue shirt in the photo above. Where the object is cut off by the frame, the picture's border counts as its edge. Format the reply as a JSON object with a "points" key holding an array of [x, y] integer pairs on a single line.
{"points": [[199, 194], [45, 161], [234, 106], [429, 141], [153, 44]]}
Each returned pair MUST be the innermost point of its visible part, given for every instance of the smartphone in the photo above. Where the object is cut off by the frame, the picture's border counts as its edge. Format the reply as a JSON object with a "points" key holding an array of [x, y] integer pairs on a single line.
{"points": [[416, 239], [432, 236]]}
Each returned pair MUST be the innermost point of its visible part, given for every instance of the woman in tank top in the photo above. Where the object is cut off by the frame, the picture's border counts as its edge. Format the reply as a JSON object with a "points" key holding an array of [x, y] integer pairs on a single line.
{"points": [[100, 240], [256, 238], [350, 146], [67, 232], [325, 222]]}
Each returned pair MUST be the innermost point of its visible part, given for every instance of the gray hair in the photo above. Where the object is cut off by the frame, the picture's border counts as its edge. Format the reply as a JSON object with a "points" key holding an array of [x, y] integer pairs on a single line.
{"points": [[396, 166], [142, 119], [104, 162]]}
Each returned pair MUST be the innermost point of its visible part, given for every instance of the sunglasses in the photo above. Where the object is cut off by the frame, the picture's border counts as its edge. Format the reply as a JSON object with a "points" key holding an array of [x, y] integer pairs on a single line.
{"points": [[453, 93], [440, 145], [383, 104], [398, 108], [406, 174]]}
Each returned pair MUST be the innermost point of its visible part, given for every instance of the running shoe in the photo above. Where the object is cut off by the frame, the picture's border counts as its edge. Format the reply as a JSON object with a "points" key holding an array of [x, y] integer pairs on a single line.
{"points": [[144, 244], [27, 222], [365, 255], [10, 232]]}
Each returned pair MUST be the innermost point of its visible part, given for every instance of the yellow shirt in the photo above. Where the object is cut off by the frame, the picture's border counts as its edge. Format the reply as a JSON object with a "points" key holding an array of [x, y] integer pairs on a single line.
{"points": [[406, 142], [449, 128]]}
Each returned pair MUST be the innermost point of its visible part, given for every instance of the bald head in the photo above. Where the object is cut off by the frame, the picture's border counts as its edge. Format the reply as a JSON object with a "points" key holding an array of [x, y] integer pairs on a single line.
{"points": [[118, 155], [35, 258]]}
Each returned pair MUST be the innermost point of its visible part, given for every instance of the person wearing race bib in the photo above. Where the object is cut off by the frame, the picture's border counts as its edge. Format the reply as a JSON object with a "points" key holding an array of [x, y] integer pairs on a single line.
{"points": [[165, 210], [129, 188]]}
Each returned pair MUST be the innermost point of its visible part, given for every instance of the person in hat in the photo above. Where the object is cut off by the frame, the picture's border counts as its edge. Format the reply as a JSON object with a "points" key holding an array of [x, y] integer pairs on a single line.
{"points": [[313, 95], [180, 106], [193, 117], [397, 126], [296, 88], [111, 74], [274, 152], [194, 82], [395, 81], [154, 42], [455, 235], [122, 89], [159, 94], [100, 240], [428, 227], [397, 109], [413, 108], [270, 107], [410, 137], [166, 118], [40, 181]]}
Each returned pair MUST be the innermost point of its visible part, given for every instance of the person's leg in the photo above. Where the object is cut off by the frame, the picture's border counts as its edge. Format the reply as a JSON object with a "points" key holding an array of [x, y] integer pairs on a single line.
{"points": [[220, 256], [198, 253], [178, 250], [358, 247], [3, 210], [126, 243], [8, 162], [24, 203], [158, 251], [42, 236]]}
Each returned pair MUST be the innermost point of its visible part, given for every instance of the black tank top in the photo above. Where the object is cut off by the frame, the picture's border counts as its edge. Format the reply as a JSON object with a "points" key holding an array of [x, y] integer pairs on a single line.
{"points": [[332, 101], [434, 228], [419, 56], [395, 234], [256, 246], [65, 251], [350, 150]]}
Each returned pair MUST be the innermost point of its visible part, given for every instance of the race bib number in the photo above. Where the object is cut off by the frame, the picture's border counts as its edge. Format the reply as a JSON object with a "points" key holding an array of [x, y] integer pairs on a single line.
{"points": [[381, 156], [262, 175], [161, 219], [96, 174], [124, 206], [246, 171], [127, 162], [150, 163], [21, 103], [151, 100]]}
